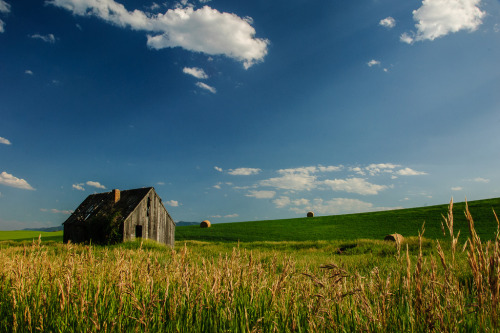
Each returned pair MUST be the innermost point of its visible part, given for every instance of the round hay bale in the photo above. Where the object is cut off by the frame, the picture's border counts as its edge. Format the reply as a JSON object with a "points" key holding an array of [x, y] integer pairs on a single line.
{"points": [[205, 224], [394, 238], [310, 214]]}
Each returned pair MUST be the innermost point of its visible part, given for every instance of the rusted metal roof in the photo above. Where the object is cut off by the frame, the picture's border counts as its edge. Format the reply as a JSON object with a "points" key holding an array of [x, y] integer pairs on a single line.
{"points": [[103, 204]]}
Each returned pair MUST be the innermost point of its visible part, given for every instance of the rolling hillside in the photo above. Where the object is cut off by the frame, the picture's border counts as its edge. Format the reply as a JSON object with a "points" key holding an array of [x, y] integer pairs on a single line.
{"points": [[374, 225]]}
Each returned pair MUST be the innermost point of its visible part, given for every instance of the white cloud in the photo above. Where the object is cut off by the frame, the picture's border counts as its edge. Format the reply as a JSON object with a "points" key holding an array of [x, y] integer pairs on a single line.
{"points": [[301, 202], [437, 18], [261, 194], [375, 169], [231, 215], [410, 172], [4, 7], [78, 187], [196, 72], [336, 206], [206, 87], [50, 38], [29, 72], [354, 185], [4, 141], [481, 180], [217, 168], [203, 30], [291, 180], [406, 38], [329, 168], [12, 181], [282, 201], [457, 188], [373, 62], [161, 183], [388, 22], [57, 211], [95, 184], [2, 26], [217, 186], [172, 203], [244, 171]]}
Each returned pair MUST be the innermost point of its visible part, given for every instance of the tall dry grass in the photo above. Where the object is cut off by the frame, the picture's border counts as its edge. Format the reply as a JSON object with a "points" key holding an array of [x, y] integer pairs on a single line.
{"points": [[68, 288]]}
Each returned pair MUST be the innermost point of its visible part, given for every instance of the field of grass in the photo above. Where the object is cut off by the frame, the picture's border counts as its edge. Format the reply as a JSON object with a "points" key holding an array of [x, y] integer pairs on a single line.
{"points": [[27, 235], [213, 285], [375, 225]]}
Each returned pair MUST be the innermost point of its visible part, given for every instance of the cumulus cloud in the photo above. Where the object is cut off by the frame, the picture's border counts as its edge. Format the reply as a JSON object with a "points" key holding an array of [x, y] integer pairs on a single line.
{"points": [[50, 38], [388, 22], [4, 141], [78, 187], [217, 168], [292, 179], [261, 194], [203, 30], [373, 62], [437, 18], [335, 206], [244, 171], [4, 7], [172, 203], [282, 201], [12, 181], [410, 172], [354, 185], [95, 184], [196, 72], [206, 87]]}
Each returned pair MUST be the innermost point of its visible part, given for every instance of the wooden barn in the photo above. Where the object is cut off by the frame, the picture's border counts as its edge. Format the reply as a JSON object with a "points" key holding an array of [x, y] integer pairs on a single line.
{"points": [[117, 216]]}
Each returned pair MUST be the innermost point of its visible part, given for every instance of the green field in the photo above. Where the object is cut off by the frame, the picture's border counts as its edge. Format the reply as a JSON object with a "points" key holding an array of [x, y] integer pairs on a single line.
{"points": [[28, 235], [322, 274], [375, 225]]}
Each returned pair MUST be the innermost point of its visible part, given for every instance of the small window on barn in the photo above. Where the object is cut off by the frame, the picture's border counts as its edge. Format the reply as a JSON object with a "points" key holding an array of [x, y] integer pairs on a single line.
{"points": [[149, 206], [138, 231]]}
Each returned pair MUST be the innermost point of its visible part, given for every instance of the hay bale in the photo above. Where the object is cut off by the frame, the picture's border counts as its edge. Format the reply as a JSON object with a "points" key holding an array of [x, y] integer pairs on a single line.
{"points": [[394, 238], [310, 214], [205, 224]]}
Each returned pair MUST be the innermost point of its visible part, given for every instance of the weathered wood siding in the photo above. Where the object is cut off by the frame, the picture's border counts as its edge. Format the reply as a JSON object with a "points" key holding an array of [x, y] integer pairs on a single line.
{"points": [[154, 219]]}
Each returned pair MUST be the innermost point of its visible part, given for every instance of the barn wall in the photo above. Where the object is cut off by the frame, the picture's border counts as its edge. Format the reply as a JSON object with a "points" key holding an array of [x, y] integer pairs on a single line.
{"points": [[156, 222]]}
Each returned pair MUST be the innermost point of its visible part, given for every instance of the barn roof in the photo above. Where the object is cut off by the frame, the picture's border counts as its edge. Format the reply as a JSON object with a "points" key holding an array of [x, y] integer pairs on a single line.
{"points": [[104, 204]]}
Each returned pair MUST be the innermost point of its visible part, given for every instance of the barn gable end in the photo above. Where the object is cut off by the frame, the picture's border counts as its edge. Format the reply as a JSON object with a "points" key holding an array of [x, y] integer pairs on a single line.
{"points": [[120, 215]]}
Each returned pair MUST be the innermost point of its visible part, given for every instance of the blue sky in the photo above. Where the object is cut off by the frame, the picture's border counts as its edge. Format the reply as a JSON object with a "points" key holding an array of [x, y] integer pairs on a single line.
{"points": [[238, 111]]}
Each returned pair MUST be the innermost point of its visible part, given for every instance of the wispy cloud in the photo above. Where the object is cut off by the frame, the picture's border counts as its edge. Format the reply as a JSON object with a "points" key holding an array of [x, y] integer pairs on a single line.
{"points": [[388, 22], [438, 18], [261, 194], [50, 38], [29, 72], [206, 87], [12, 181], [57, 211], [481, 180], [457, 188], [172, 203], [4, 7], [196, 72], [78, 187], [203, 30], [373, 62], [244, 171], [354, 185], [218, 169], [4, 141], [95, 184]]}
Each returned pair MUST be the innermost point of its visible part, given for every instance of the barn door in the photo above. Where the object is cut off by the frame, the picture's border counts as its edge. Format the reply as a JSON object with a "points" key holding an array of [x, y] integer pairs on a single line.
{"points": [[138, 231]]}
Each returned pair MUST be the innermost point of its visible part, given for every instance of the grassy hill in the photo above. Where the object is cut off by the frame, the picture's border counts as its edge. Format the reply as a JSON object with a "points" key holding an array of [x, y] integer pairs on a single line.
{"points": [[374, 225]]}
